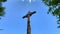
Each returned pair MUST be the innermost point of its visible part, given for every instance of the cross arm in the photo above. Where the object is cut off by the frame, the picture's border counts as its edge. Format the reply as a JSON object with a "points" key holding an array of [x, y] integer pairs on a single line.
{"points": [[24, 16], [29, 13]]}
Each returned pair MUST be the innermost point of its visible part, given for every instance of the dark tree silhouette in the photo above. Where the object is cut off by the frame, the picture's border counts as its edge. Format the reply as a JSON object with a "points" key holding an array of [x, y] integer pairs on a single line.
{"points": [[2, 8], [54, 8]]}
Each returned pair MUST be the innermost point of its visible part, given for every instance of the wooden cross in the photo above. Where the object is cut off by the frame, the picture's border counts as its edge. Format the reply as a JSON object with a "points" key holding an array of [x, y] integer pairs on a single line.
{"points": [[28, 24]]}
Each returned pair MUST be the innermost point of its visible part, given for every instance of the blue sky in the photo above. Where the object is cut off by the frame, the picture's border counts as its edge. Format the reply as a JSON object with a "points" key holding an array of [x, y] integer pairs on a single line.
{"points": [[41, 22]]}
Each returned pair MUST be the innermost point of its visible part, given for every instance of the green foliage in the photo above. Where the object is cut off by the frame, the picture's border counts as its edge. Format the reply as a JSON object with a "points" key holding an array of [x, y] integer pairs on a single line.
{"points": [[54, 7], [2, 8], [51, 2], [58, 27], [2, 11], [3, 0]]}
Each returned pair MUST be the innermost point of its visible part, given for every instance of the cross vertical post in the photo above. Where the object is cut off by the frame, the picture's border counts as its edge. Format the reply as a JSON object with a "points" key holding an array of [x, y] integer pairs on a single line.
{"points": [[28, 25]]}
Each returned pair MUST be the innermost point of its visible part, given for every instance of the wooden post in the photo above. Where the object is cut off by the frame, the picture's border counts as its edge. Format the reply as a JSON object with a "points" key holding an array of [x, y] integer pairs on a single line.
{"points": [[28, 24]]}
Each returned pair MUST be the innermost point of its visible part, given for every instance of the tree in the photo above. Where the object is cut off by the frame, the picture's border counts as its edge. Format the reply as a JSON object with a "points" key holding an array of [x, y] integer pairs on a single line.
{"points": [[2, 8], [54, 8]]}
